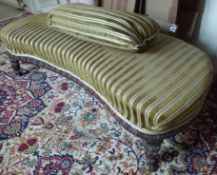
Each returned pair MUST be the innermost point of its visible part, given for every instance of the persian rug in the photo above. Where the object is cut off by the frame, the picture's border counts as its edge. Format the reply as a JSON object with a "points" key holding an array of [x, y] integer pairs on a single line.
{"points": [[52, 124]]}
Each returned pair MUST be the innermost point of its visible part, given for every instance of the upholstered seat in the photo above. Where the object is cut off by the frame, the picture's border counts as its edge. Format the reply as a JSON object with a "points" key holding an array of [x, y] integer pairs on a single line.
{"points": [[155, 91]]}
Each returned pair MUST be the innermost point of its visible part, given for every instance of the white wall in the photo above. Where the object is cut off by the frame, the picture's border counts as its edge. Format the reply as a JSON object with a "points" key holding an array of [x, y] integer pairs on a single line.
{"points": [[83, 1], [207, 36], [123, 5], [44, 6], [164, 11]]}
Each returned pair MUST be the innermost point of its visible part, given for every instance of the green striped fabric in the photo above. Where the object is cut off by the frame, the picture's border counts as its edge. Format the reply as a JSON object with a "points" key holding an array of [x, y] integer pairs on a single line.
{"points": [[155, 91], [122, 30]]}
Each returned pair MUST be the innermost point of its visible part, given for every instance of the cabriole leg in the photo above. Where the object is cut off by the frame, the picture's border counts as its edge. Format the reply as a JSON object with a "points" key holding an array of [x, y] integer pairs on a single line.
{"points": [[152, 154], [15, 64]]}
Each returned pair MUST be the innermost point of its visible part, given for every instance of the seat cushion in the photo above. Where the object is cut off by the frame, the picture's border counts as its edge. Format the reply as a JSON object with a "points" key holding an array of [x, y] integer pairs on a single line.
{"points": [[156, 91], [121, 30]]}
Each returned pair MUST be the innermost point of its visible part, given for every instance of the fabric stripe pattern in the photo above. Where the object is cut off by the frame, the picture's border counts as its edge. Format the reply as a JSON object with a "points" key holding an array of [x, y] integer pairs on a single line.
{"points": [[158, 90], [111, 28]]}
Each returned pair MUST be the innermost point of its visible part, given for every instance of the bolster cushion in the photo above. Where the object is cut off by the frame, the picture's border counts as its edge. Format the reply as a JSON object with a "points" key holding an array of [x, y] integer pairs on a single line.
{"points": [[117, 29]]}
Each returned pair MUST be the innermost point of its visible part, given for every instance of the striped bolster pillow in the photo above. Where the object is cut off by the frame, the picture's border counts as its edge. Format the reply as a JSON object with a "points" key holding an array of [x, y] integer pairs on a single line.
{"points": [[117, 29]]}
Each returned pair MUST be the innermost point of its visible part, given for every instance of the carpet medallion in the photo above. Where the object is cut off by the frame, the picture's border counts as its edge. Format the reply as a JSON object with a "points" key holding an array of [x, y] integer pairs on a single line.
{"points": [[50, 124]]}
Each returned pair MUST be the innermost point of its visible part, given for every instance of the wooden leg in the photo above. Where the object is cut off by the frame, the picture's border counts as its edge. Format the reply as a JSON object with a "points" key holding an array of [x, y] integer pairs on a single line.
{"points": [[152, 154], [15, 64]]}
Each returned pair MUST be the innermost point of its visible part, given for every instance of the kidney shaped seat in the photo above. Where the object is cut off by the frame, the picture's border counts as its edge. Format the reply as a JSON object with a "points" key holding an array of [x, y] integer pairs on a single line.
{"points": [[155, 91]]}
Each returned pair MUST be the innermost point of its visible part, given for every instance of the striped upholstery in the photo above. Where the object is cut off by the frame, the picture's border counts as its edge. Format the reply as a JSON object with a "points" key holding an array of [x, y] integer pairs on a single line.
{"points": [[111, 28], [156, 91]]}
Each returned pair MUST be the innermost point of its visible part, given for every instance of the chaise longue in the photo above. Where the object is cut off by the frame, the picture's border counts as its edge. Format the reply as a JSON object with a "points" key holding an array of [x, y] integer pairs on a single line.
{"points": [[156, 91]]}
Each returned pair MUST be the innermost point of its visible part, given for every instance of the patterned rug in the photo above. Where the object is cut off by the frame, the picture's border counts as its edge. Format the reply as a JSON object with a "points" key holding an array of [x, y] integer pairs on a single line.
{"points": [[51, 124]]}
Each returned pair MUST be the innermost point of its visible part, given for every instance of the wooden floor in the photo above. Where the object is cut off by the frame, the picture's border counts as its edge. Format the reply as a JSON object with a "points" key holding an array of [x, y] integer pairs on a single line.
{"points": [[6, 11]]}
